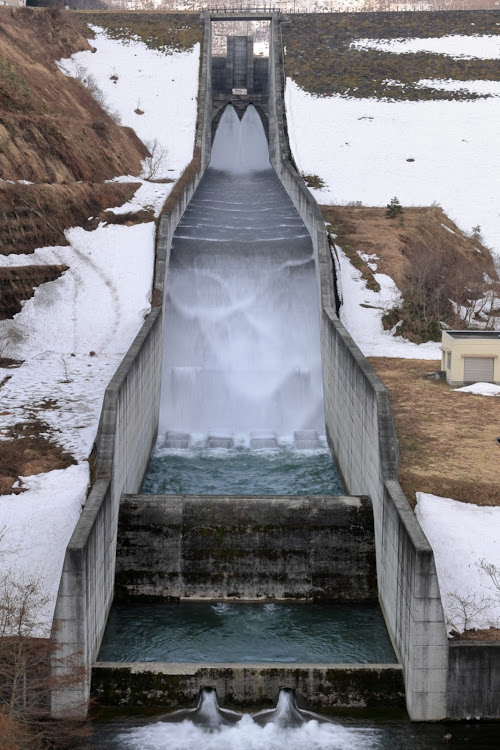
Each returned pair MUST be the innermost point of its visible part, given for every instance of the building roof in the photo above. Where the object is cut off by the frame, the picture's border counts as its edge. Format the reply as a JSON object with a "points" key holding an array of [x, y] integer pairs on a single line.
{"points": [[473, 334]]}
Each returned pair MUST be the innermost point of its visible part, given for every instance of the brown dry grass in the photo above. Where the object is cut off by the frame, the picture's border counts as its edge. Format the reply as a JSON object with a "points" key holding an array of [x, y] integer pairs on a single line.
{"points": [[320, 60], [447, 439], [491, 634], [51, 128], [18, 284], [34, 216], [367, 230], [27, 451], [161, 30]]}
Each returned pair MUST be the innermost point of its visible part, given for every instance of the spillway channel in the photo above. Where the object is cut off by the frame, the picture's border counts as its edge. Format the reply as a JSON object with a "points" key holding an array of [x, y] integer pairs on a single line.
{"points": [[242, 360]]}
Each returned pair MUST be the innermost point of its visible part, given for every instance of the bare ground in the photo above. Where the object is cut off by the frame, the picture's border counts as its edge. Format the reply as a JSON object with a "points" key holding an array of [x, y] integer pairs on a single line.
{"points": [[367, 230], [26, 451], [447, 440]]}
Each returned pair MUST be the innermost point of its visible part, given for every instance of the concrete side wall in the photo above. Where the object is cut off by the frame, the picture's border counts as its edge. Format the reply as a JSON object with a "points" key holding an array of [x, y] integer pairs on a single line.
{"points": [[474, 680], [249, 685], [361, 433], [126, 432], [246, 547]]}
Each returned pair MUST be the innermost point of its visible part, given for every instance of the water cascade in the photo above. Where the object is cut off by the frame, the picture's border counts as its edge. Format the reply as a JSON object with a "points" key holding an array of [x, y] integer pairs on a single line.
{"points": [[284, 728], [242, 351]]}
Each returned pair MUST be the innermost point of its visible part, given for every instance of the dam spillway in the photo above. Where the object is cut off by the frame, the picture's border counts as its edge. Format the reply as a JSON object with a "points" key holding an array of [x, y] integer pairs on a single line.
{"points": [[242, 352], [242, 361], [441, 678]]}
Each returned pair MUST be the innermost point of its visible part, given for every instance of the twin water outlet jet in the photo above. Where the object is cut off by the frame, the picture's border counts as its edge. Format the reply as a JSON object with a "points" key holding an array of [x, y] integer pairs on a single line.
{"points": [[209, 715]]}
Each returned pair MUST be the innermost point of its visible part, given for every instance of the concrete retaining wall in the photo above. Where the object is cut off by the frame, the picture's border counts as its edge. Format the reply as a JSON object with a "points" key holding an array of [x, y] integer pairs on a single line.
{"points": [[361, 433], [474, 680], [249, 685], [246, 547], [126, 432]]}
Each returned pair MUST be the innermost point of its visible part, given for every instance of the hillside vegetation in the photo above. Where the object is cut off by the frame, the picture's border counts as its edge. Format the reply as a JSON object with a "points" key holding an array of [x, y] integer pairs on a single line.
{"points": [[431, 261], [320, 60], [53, 133], [51, 128]]}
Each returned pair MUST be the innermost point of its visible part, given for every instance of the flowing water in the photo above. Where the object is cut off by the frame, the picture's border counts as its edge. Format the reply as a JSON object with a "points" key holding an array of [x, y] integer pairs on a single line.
{"points": [[242, 351], [247, 632], [242, 402], [209, 727]]}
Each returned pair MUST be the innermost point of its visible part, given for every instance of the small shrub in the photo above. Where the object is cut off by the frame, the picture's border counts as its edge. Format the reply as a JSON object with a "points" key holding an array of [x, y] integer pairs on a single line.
{"points": [[313, 181], [394, 208]]}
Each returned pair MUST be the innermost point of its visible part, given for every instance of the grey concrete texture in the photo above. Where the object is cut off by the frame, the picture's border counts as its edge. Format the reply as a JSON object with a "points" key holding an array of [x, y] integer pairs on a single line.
{"points": [[361, 433], [478, 695], [247, 686], [126, 432], [212, 547]]}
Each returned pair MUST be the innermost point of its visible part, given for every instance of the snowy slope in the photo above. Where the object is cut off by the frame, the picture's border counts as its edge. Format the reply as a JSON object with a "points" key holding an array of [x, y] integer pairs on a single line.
{"points": [[359, 148], [74, 332], [461, 536]]}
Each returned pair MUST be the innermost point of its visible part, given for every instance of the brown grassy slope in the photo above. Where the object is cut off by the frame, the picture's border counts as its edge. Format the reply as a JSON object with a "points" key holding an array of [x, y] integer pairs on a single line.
{"points": [[367, 230], [162, 30], [26, 451], [18, 284], [34, 216], [447, 440], [319, 59], [51, 128]]}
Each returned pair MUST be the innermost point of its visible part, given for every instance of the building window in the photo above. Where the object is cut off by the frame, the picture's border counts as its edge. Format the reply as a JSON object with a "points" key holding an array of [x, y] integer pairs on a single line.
{"points": [[448, 360]]}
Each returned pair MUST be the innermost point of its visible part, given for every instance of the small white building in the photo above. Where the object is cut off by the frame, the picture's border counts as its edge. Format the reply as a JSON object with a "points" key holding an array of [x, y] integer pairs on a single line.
{"points": [[13, 3], [471, 357]]}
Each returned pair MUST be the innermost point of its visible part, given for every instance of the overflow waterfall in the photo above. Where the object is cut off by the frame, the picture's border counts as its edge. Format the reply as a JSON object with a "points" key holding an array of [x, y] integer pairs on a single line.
{"points": [[242, 359]]}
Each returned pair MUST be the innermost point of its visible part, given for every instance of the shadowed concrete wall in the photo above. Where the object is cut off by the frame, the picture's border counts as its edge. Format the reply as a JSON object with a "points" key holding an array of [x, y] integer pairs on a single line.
{"points": [[474, 679], [246, 547], [126, 432], [249, 685], [361, 433]]}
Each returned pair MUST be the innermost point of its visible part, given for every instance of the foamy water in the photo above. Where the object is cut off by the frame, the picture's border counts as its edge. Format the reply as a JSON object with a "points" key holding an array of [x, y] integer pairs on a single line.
{"points": [[242, 350], [248, 735]]}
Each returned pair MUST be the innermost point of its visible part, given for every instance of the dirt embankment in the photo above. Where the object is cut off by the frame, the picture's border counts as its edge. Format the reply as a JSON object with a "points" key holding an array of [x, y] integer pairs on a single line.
{"points": [[51, 128], [320, 59], [432, 262], [54, 134], [367, 230]]}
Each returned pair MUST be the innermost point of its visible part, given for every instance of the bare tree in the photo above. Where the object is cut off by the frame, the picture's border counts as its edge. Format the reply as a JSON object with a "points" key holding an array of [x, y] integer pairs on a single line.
{"points": [[26, 678], [154, 164], [465, 609]]}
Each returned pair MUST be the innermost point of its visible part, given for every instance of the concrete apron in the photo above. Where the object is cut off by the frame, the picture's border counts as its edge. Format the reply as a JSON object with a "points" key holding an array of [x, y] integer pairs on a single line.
{"points": [[240, 686]]}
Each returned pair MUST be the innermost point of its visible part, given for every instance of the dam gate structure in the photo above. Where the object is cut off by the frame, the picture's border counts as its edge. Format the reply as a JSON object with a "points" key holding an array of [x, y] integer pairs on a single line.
{"points": [[147, 547]]}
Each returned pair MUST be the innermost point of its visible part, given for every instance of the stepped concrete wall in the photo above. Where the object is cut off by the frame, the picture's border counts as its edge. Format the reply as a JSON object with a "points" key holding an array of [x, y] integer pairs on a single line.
{"points": [[361, 433], [207, 547], [127, 430], [249, 685]]}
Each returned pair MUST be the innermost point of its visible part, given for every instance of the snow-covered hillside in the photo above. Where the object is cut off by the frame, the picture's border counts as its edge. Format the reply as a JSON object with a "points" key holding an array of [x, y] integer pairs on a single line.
{"points": [[74, 332], [423, 152]]}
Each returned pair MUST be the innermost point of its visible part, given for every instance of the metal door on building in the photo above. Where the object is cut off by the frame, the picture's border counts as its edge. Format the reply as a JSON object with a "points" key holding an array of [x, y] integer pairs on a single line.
{"points": [[478, 369]]}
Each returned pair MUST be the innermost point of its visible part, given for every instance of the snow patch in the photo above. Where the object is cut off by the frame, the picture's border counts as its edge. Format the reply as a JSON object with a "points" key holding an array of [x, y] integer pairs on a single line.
{"points": [[461, 535], [480, 389], [479, 47]]}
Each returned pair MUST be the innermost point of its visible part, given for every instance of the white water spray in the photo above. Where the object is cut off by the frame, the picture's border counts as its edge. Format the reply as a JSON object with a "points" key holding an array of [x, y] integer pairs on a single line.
{"points": [[212, 728], [242, 351]]}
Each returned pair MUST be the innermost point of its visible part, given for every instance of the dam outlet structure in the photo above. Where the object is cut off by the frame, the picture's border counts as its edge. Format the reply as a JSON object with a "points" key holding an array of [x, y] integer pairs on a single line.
{"points": [[246, 457]]}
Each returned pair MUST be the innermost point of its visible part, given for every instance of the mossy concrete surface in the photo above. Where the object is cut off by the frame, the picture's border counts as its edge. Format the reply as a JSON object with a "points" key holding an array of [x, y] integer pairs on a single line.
{"points": [[211, 547], [248, 685]]}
